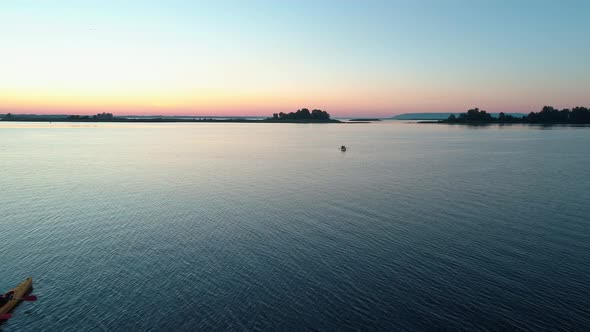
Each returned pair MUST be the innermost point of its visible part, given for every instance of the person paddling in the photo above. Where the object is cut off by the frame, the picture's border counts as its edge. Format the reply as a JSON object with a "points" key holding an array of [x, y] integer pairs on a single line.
{"points": [[6, 297], [13, 297]]}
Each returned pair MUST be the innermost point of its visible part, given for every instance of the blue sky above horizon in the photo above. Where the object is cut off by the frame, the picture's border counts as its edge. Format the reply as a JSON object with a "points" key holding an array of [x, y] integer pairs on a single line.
{"points": [[351, 58]]}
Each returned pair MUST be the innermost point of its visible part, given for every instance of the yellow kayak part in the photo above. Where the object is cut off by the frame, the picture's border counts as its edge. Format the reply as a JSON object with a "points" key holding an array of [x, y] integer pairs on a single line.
{"points": [[17, 293]]}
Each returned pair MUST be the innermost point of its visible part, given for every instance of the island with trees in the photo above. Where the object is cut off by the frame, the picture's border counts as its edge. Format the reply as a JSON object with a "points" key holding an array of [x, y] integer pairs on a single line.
{"points": [[302, 115], [548, 115]]}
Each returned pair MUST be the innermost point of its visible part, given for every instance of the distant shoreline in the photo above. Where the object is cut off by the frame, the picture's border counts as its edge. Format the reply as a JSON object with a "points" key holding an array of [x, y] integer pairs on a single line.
{"points": [[303, 115], [164, 120], [547, 116], [482, 124], [365, 120]]}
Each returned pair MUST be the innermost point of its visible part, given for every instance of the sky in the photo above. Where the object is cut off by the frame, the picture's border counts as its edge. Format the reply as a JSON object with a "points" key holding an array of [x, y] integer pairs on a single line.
{"points": [[350, 58]]}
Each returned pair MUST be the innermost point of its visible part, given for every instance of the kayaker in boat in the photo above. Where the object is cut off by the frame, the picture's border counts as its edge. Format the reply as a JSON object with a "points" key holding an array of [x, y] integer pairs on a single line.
{"points": [[5, 298], [13, 297]]}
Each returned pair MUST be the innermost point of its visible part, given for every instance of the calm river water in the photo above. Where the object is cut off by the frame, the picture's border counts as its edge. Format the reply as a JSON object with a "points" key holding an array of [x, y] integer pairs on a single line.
{"points": [[271, 227]]}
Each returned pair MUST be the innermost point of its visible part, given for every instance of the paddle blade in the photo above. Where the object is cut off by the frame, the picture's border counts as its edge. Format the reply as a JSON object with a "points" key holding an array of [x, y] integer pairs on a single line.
{"points": [[5, 316], [30, 298]]}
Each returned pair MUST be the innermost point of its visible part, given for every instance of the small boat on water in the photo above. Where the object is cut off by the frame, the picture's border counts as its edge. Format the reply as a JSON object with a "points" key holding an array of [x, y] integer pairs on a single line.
{"points": [[13, 297], [343, 148]]}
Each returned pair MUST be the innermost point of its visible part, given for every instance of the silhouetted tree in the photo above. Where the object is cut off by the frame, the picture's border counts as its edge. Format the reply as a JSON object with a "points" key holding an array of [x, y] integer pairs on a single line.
{"points": [[580, 115], [303, 113], [320, 115], [103, 116], [474, 115]]}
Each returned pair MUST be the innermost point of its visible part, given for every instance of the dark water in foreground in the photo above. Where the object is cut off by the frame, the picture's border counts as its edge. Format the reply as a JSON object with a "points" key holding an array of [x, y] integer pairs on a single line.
{"points": [[271, 227]]}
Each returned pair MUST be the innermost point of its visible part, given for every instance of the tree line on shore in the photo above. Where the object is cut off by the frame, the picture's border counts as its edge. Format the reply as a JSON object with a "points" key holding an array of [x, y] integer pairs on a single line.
{"points": [[100, 116], [23, 117], [548, 115]]}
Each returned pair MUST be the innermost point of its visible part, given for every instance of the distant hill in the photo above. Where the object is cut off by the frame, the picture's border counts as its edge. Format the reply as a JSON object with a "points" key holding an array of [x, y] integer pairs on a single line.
{"points": [[437, 116]]}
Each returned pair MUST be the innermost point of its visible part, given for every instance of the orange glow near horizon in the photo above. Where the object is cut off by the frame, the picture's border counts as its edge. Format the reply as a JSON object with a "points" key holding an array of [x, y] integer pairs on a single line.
{"points": [[341, 102], [196, 102]]}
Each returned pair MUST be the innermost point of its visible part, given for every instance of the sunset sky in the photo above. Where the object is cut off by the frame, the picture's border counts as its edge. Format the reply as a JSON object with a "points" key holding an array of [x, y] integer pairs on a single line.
{"points": [[350, 58]]}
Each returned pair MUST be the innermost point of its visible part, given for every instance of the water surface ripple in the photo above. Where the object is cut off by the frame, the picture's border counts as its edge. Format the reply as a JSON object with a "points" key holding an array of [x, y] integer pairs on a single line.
{"points": [[270, 227]]}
